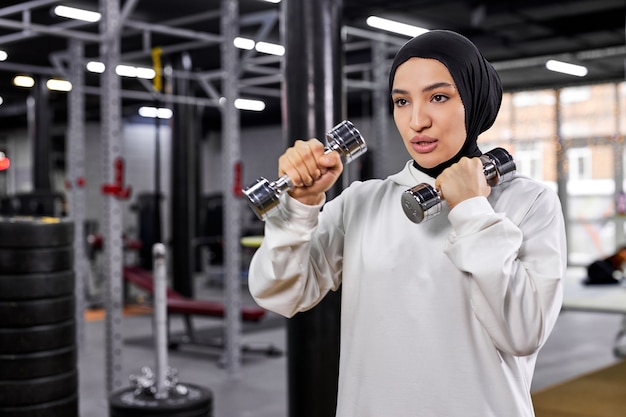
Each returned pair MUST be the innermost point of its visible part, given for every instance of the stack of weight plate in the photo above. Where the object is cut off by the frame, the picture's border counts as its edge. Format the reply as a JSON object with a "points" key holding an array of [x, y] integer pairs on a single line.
{"points": [[38, 354]]}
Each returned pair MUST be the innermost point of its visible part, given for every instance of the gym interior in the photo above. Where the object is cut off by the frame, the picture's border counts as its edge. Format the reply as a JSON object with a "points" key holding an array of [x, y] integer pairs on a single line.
{"points": [[127, 221]]}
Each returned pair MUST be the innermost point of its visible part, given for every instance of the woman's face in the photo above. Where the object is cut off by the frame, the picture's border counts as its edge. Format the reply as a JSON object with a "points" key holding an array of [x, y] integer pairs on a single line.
{"points": [[428, 111]]}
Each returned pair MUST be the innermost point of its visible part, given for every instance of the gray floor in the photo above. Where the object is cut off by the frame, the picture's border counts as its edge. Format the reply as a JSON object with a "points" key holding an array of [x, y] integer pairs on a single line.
{"points": [[581, 342]]}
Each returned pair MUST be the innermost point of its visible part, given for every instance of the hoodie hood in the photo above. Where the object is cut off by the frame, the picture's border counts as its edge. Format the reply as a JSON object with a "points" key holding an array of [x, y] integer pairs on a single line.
{"points": [[410, 176]]}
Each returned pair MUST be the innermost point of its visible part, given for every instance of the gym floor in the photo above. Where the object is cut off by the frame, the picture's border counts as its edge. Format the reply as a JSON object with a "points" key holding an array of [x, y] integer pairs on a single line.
{"points": [[581, 342]]}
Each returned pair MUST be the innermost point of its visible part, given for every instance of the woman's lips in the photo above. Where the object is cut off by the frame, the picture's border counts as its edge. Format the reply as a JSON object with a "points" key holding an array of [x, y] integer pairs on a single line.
{"points": [[423, 145]]}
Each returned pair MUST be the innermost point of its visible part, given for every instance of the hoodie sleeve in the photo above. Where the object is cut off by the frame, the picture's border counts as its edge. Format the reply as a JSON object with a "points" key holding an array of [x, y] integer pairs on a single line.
{"points": [[291, 272], [515, 261]]}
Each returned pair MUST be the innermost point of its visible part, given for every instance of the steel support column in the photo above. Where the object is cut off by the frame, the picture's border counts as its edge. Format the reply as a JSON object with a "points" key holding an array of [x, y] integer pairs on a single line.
{"points": [[76, 177], [314, 102], [112, 225], [231, 156]]}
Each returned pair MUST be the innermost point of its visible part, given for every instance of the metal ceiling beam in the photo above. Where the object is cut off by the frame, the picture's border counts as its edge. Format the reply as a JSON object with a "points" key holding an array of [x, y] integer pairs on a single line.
{"points": [[25, 6], [581, 56], [173, 31], [20, 36], [49, 30]]}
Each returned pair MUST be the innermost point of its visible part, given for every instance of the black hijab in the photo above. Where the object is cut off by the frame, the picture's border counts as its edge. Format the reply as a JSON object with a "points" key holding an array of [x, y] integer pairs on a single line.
{"points": [[477, 81]]}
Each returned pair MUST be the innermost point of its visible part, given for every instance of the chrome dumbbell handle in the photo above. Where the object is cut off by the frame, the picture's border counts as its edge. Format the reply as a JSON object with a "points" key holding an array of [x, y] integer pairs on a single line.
{"points": [[424, 201], [263, 195]]}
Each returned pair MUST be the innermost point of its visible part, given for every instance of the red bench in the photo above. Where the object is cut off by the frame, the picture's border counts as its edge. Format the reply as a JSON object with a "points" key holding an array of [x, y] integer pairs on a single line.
{"points": [[179, 304], [188, 307]]}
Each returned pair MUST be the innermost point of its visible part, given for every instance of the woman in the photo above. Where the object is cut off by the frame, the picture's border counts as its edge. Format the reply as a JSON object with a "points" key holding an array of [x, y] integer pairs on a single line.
{"points": [[441, 318]]}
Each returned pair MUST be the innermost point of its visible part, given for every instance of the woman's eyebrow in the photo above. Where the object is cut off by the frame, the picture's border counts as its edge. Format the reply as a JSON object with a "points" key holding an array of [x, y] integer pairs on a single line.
{"points": [[436, 86], [398, 91], [425, 89]]}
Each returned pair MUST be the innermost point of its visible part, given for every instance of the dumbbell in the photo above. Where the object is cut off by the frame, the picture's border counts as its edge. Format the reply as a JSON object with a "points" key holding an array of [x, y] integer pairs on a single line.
{"points": [[263, 195], [424, 201]]}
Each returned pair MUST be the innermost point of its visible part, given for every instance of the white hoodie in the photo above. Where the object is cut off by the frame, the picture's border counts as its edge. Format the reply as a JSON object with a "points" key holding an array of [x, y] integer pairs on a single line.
{"points": [[443, 318]]}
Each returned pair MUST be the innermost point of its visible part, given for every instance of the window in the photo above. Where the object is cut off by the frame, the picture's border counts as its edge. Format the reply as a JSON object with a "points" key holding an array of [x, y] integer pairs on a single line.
{"points": [[579, 163], [529, 159]]}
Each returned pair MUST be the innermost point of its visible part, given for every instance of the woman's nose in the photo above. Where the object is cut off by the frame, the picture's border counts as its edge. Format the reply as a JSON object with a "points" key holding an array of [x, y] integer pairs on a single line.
{"points": [[419, 118]]}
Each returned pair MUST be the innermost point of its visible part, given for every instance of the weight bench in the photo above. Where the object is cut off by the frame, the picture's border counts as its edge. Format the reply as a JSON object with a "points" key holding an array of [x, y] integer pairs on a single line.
{"points": [[188, 307]]}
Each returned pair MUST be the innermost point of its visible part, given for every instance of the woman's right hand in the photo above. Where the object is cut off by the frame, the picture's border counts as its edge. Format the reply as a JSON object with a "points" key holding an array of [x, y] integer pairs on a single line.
{"points": [[311, 170]]}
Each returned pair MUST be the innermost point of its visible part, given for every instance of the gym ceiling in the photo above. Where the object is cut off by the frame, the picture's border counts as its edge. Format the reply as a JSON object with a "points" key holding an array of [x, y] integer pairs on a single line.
{"points": [[518, 37]]}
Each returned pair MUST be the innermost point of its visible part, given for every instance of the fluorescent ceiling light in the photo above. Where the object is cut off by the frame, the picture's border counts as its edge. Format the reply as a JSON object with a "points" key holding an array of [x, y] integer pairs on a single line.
{"points": [[161, 112], [78, 14], [566, 68], [3, 55], [123, 70], [263, 47], [58, 85], [272, 1], [135, 72], [270, 48], [244, 43], [394, 26], [126, 71], [24, 81], [247, 104], [95, 66], [146, 73]]}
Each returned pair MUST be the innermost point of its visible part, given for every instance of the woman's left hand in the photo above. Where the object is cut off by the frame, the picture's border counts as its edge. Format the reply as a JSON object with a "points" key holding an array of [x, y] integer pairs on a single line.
{"points": [[463, 180]]}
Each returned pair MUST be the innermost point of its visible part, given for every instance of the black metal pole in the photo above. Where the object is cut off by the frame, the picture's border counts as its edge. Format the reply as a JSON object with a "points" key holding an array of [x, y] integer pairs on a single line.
{"points": [[41, 137], [183, 205], [313, 63]]}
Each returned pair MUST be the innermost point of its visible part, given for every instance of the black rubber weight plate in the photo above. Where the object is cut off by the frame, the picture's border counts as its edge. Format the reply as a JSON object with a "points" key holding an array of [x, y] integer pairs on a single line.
{"points": [[35, 232], [38, 390], [65, 407], [38, 338], [27, 261], [197, 403], [36, 286], [26, 313], [38, 364]]}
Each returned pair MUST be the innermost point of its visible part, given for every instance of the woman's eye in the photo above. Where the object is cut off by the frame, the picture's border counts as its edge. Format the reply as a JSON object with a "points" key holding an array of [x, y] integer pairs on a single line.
{"points": [[400, 102], [439, 98]]}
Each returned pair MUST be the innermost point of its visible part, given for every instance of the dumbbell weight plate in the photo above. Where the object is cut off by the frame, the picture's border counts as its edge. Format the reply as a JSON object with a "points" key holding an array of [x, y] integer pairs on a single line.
{"points": [[197, 403], [65, 407], [37, 364], [37, 260], [16, 393], [34, 286], [421, 202], [38, 338], [26, 313], [35, 232]]}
